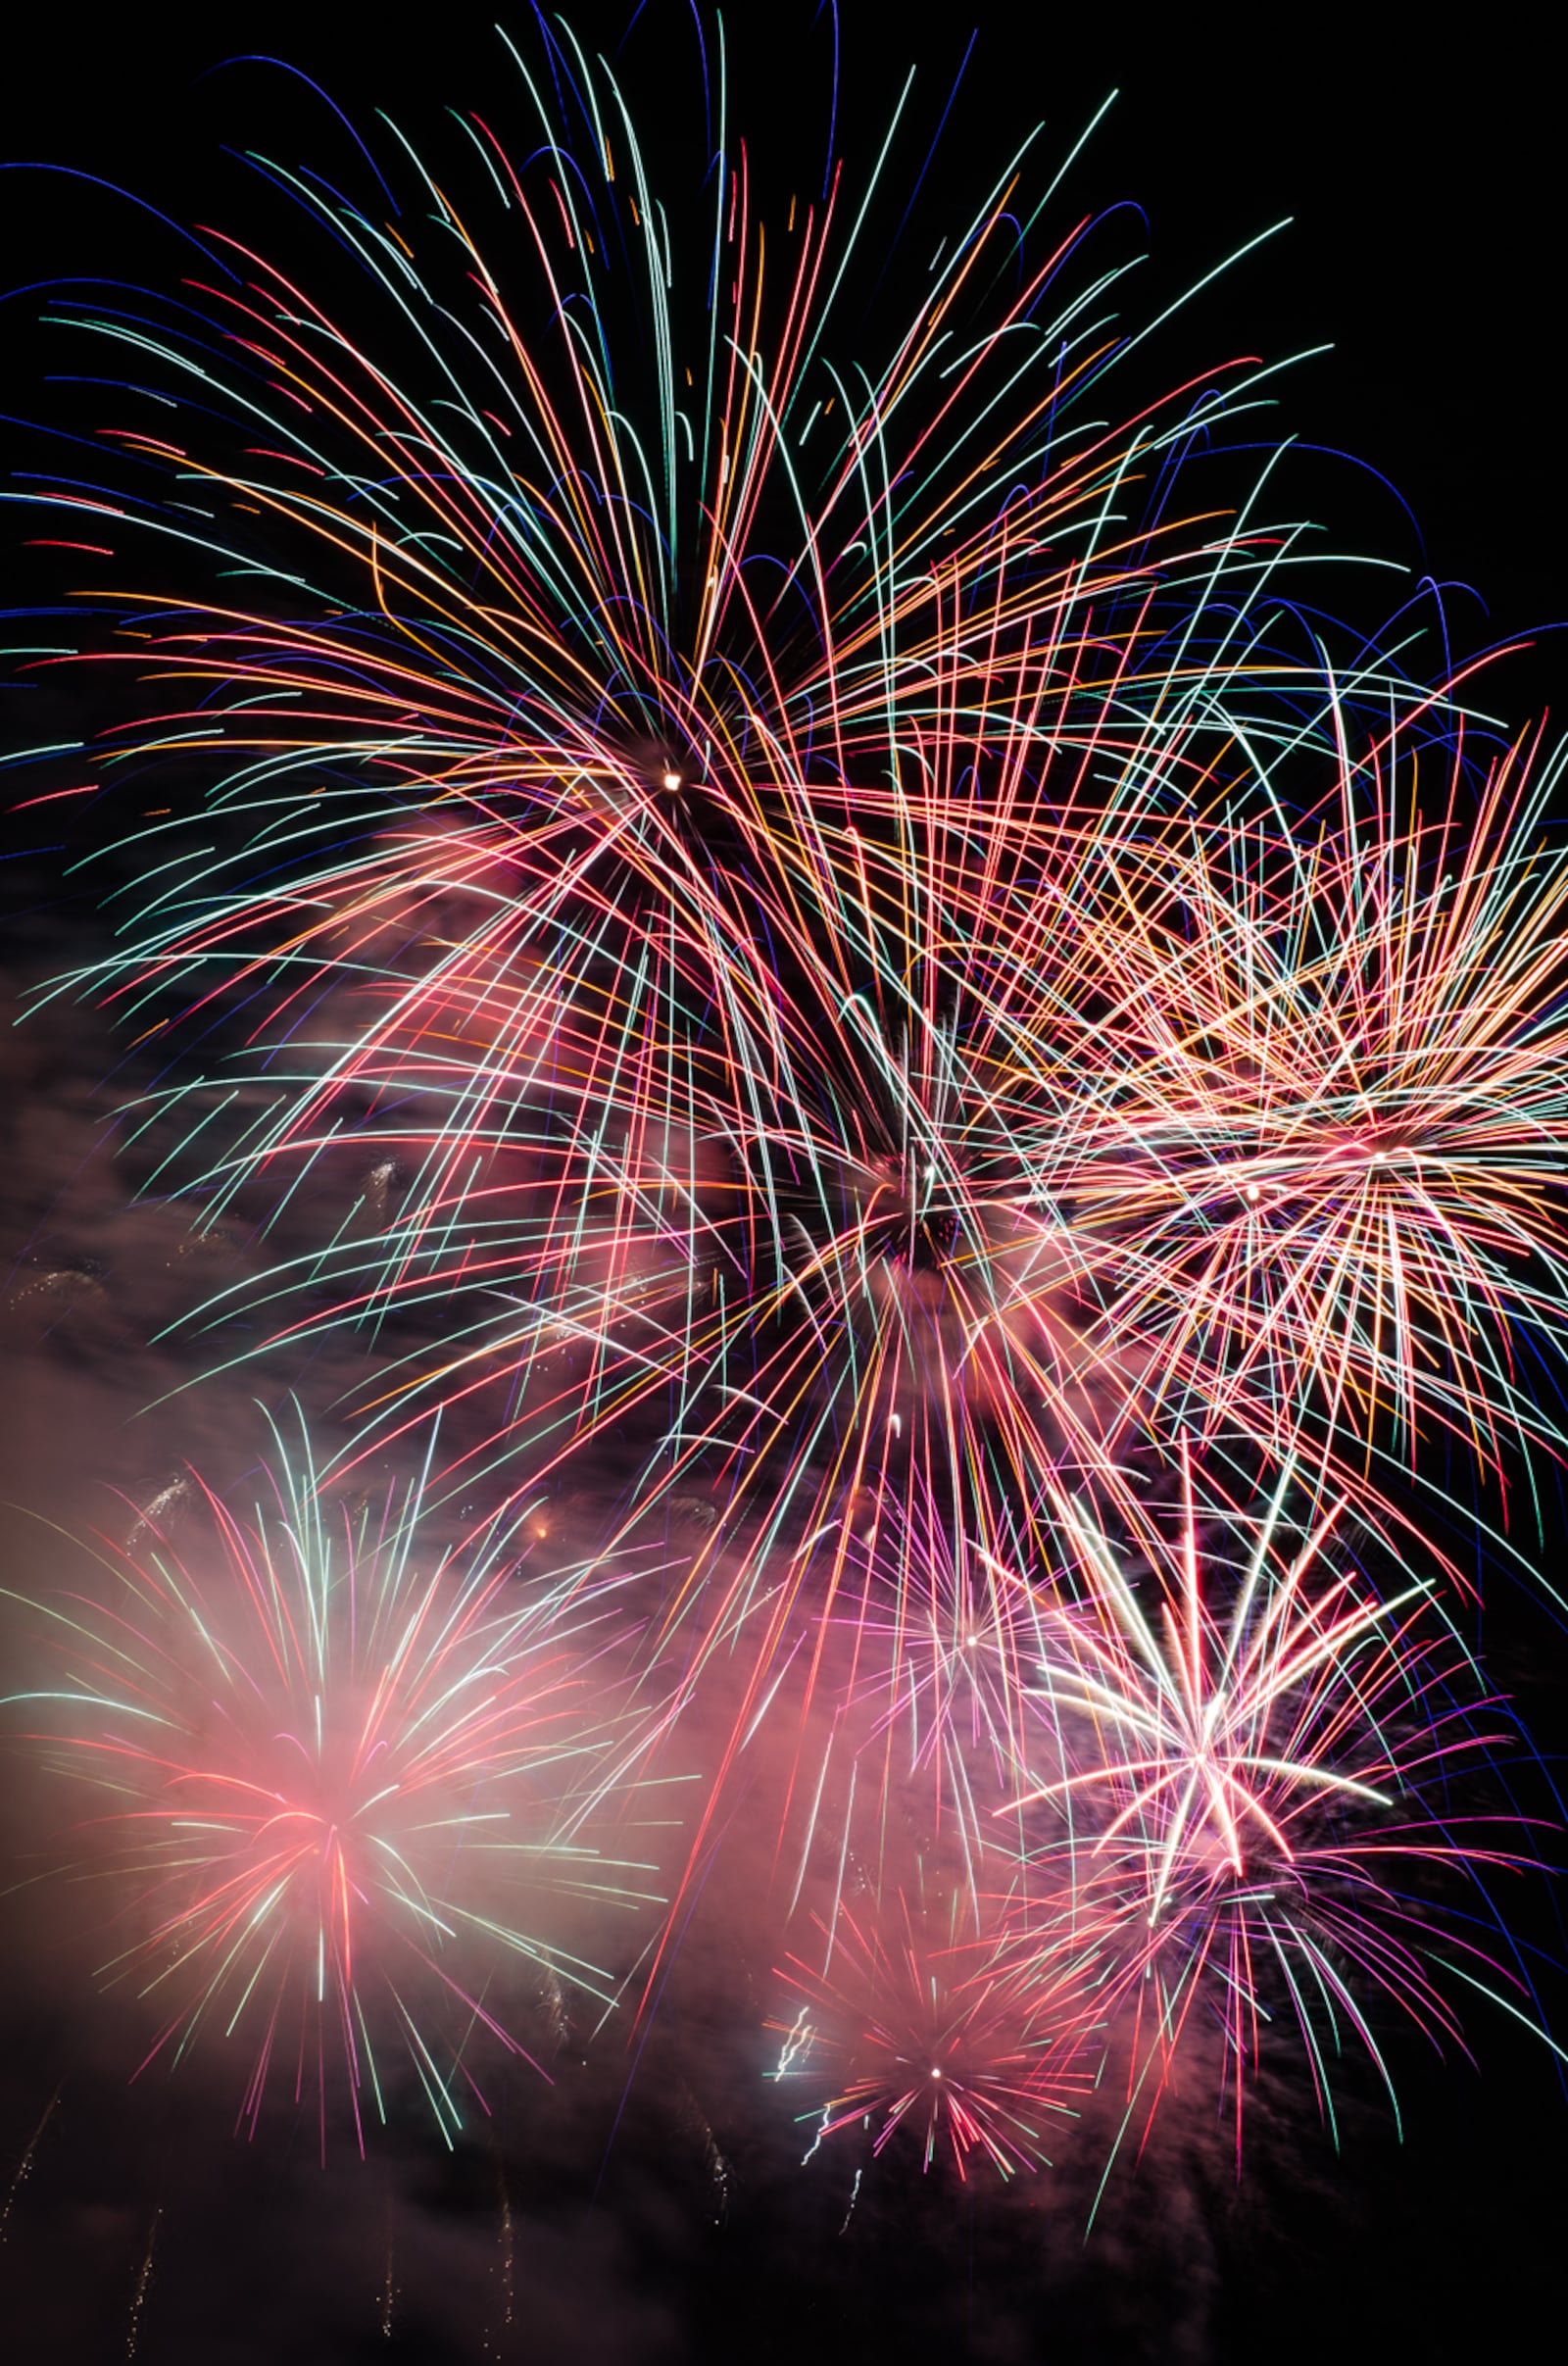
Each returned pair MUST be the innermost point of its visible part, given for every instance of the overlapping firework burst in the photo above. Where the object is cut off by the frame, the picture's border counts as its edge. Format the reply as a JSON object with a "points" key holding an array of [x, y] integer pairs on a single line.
{"points": [[800, 952]]}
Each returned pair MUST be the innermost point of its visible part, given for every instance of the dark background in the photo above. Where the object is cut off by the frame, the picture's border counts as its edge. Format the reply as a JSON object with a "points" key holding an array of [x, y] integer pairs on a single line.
{"points": [[1424, 174]]}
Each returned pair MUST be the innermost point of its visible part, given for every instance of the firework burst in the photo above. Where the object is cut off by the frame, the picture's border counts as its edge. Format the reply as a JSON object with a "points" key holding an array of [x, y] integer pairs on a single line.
{"points": [[339, 1769], [1325, 1189], [792, 952], [1269, 1780], [632, 670], [912, 2034]]}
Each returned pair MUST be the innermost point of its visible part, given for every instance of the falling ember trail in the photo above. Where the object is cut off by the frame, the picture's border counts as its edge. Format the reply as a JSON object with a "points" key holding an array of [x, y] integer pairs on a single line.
{"points": [[143, 2279], [507, 2281], [24, 2165], [389, 2290]]}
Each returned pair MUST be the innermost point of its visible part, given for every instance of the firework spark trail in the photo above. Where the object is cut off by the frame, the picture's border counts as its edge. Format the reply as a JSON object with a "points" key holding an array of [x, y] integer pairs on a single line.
{"points": [[24, 2164], [338, 1772], [507, 2262], [144, 2277], [389, 2287], [496, 2339]]}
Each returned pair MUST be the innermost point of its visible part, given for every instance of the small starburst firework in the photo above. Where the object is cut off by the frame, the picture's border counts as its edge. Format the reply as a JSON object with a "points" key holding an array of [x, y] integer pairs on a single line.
{"points": [[912, 2031]]}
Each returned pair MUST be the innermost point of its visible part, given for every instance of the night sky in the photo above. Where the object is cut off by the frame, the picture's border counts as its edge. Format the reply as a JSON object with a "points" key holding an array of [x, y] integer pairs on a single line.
{"points": [[654, 2207]]}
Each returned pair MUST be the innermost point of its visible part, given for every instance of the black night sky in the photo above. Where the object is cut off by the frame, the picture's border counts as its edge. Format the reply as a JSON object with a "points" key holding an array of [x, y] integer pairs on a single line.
{"points": [[656, 2217]]}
